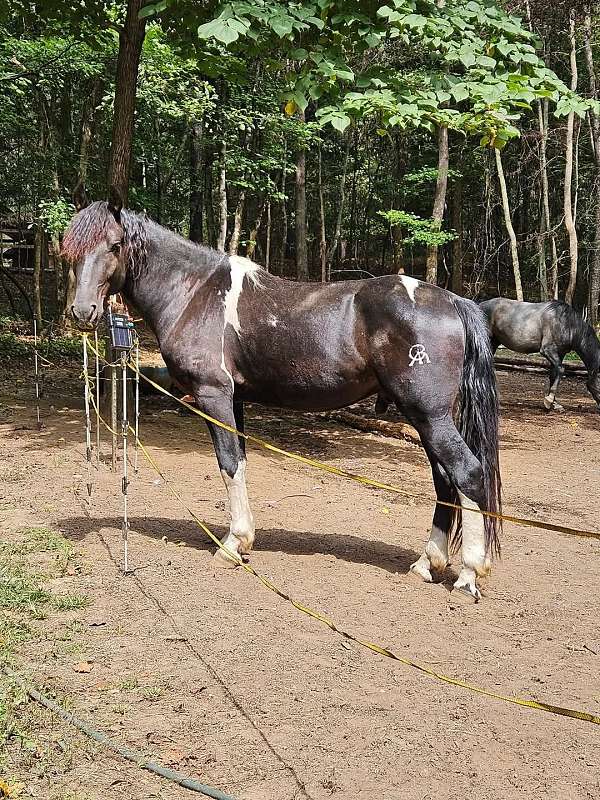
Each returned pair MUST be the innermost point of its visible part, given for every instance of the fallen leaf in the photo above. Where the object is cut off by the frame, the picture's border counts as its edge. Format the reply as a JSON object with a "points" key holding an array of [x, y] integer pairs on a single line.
{"points": [[83, 666], [385, 510]]}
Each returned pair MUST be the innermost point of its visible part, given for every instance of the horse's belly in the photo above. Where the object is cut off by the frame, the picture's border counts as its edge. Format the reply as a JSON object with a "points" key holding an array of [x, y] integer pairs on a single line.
{"points": [[316, 394]]}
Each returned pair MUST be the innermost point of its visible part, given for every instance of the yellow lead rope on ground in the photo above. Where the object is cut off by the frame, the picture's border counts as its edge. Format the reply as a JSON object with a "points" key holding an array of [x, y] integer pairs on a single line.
{"points": [[562, 711]]}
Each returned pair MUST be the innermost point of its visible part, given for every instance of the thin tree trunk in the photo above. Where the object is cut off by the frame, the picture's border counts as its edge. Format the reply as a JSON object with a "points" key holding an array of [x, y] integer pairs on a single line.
{"points": [[158, 171], [594, 285], [253, 235], [568, 189], [222, 236], [268, 242], [322, 238], [509, 226], [457, 244], [238, 217], [37, 274], [131, 38], [300, 221], [196, 185], [211, 225], [88, 127], [284, 215], [338, 222], [545, 222], [439, 201]]}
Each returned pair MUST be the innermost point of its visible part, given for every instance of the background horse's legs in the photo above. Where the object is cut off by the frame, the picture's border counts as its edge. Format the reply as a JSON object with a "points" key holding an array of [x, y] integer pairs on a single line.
{"points": [[557, 370], [232, 463], [435, 555], [465, 471]]}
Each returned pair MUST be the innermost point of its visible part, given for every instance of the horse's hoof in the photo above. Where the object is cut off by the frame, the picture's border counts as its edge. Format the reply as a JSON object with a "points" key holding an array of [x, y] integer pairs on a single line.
{"points": [[223, 561], [465, 594], [421, 569]]}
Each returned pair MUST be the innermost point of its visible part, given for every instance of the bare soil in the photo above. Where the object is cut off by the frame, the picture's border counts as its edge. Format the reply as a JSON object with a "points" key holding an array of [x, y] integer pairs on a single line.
{"points": [[210, 673]]}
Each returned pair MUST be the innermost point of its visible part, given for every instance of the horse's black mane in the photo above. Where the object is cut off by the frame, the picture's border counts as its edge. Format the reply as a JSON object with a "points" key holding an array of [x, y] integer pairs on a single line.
{"points": [[582, 335], [89, 227]]}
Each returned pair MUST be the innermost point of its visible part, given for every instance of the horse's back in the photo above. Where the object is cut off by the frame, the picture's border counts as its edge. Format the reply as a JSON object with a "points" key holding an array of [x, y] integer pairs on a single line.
{"points": [[516, 324]]}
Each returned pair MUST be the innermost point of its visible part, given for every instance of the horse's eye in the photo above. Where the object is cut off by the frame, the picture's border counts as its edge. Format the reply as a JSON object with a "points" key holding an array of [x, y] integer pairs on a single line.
{"points": [[116, 248]]}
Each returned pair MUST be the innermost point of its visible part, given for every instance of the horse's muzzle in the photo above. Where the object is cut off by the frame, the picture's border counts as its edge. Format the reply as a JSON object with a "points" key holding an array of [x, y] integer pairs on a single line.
{"points": [[86, 317]]}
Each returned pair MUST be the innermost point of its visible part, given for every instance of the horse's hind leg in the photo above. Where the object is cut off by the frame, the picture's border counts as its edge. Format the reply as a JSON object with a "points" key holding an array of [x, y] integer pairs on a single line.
{"points": [[435, 554], [441, 437], [557, 370], [232, 463]]}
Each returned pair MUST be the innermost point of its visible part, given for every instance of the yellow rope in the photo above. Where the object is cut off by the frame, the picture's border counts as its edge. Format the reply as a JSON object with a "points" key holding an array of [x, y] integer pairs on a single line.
{"points": [[342, 473], [375, 648]]}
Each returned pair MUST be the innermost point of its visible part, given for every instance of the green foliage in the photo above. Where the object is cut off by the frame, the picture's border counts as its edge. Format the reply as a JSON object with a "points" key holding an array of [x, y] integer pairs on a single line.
{"points": [[55, 215], [419, 231]]}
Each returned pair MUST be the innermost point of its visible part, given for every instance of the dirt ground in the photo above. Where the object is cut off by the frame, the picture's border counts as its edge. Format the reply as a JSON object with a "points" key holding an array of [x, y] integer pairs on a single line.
{"points": [[210, 673]]}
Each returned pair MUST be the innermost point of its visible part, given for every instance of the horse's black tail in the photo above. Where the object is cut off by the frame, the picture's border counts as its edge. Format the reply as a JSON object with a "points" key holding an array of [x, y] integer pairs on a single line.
{"points": [[478, 414]]}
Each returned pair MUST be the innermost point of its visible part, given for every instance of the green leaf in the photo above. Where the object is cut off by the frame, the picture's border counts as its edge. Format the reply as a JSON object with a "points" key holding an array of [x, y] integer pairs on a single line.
{"points": [[340, 121], [299, 55]]}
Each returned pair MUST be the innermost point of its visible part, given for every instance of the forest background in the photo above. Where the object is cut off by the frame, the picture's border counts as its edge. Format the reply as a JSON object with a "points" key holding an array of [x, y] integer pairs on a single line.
{"points": [[455, 141]]}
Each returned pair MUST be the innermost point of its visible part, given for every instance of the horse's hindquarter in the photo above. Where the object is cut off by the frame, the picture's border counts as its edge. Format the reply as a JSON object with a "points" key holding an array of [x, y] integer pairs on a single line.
{"points": [[416, 342], [299, 345]]}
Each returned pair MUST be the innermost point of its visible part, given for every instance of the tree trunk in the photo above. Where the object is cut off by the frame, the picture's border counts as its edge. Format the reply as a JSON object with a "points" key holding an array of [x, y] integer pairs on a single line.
{"points": [[238, 217], [37, 274], [196, 185], [87, 127], [222, 235], [568, 189], [457, 244], [131, 38], [284, 215], [300, 221], [253, 236], [323, 237], [340, 213], [211, 236], [545, 223], [268, 242], [509, 226], [594, 286], [439, 201]]}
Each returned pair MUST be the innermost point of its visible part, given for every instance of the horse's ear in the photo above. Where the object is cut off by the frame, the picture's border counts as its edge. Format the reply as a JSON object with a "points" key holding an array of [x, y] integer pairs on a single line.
{"points": [[80, 198], [115, 202]]}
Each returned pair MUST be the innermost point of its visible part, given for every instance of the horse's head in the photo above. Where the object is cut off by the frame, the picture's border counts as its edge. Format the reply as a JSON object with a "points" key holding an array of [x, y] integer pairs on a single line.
{"points": [[94, 245]]}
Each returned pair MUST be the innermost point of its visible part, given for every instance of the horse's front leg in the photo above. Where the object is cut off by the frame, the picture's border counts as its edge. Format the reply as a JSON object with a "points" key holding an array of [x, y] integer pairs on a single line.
{"points": [[232, 463]]}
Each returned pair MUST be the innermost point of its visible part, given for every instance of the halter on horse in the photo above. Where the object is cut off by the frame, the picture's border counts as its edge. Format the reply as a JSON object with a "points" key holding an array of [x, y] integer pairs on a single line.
{"points": [[230, 332]]}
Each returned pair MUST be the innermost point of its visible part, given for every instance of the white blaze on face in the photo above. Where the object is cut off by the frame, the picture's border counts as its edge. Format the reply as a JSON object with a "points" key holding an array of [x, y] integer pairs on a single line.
{"points": [[242, 522], [240, 268], [410, 284]]}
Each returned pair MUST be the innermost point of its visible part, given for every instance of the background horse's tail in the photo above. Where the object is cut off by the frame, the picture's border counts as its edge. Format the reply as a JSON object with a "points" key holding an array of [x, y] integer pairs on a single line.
{"points": [[478, 414]]}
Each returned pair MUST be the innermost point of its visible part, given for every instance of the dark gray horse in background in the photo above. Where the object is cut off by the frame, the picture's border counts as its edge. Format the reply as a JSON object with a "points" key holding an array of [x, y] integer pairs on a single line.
{"points": [[552, 329], [230, 332]]}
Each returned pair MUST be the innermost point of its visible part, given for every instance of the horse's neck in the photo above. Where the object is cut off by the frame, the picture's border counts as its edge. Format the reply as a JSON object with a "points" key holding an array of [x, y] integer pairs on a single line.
{"points": [[158, 291]]}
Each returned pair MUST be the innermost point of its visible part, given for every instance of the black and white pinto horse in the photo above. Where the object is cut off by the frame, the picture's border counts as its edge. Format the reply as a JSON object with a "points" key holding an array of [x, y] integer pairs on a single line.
{"points": [[553, 329], [230, 332]]}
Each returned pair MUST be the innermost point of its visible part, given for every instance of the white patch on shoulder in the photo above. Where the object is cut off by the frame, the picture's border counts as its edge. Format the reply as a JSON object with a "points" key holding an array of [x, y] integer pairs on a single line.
{"points": [[410, 284], [240, 268]]}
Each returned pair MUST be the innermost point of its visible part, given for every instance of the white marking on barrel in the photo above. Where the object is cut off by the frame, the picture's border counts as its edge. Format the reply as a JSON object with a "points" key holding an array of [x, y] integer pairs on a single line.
{"points": [[239, 268], [410, 284]]}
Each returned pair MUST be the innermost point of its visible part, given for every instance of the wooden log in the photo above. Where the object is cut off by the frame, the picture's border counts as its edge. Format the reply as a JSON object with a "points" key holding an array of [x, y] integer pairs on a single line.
{"points": [[537, 365], [397, 430]]}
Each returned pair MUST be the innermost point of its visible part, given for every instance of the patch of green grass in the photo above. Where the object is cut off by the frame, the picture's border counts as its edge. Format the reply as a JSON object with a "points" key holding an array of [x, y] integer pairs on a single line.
{"points": [[70, 602], [20, 591], [152, 693], [129, 684], [14, 347], [45, 540]]}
